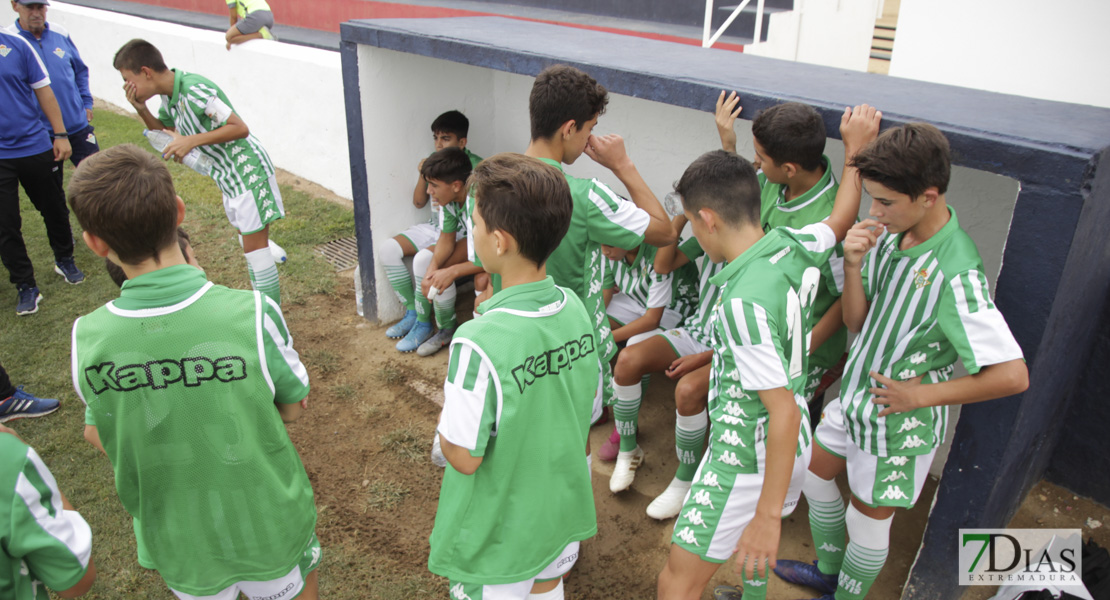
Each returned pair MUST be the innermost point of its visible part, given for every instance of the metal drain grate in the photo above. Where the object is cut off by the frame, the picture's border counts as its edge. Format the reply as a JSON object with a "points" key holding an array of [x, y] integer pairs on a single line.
{"points": [[341, 253]]}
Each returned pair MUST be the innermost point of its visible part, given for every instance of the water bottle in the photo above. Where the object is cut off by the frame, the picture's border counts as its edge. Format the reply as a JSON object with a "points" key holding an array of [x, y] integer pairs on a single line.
{"points": [[279, 253], [195, 159], [358, 292], [672, 203]]}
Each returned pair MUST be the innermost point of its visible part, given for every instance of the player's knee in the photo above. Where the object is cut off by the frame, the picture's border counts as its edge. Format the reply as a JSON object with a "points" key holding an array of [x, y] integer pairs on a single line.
{"points": [[421, 261], [390, 252], [630, 366], [689, 398]]}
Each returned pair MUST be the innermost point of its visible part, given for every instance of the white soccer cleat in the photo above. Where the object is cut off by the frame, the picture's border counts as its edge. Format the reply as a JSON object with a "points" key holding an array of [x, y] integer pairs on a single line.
{"points": [[668, 504], [625, 469]]}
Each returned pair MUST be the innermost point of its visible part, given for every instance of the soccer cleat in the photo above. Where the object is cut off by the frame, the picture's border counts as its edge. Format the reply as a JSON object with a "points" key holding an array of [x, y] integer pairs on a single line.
{"points": [[416, 336], [21, 405], [401, 328], [727, 592], [436, 342], [68, 269], [29, 298], [610, 448], [438, 459], [669, 503], [805, 574], [625, 470]]}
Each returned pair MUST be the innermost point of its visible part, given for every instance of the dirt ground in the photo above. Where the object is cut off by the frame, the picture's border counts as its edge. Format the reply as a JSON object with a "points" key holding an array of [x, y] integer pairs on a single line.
{"points": [[365, 443]]}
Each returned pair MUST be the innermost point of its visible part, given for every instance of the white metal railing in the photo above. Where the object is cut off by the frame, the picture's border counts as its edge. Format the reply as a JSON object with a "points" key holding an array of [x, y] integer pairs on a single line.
{"points": [[707, 41]]}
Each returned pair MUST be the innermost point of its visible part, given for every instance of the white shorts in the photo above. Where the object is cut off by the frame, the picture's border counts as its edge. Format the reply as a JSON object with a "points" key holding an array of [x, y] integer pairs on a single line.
{"points": [[421, 235], [253, 210], [520, 590], [682, 342], [876, 481], [716, 511], [623, 309], [286, 588]]}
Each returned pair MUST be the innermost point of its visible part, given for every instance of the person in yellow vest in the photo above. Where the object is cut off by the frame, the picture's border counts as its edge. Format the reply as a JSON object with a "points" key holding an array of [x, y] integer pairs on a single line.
{"points": [[250, 20]]}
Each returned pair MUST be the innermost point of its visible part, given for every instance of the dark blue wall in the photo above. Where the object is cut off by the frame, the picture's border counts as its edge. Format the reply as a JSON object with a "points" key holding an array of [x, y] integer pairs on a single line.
{"points": [[1056, 266]]}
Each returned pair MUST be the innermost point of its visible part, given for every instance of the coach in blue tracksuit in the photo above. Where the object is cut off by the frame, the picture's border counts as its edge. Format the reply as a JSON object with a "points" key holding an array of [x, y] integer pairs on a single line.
{"points": [[69, 77]]}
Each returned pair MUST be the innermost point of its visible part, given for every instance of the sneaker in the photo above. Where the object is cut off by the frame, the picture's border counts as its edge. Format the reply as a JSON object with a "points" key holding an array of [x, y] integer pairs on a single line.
{"points": [[438, 459], [68, 269], [21, 404], [625, 470], [669, 503], [416, 336], [29, 298], [805, 574], [436, 342], [611, 447], [401, 328], [727, 592]]}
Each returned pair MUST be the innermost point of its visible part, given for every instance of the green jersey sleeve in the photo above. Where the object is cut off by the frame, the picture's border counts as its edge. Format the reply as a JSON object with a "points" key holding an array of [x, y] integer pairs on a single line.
{"points": [[164, 114], [612, 220], [285, 372], [471, 398], [609, 274], [450, 218], [55, 544], [754, 338], [659, 290], [691, 248], [208, 101], [832, 271], [974, 325]]}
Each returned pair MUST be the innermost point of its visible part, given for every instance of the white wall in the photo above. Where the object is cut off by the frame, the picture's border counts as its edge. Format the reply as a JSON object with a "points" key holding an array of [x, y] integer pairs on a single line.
{"points": [[1049, 50], [833, 33], [290, 96]]}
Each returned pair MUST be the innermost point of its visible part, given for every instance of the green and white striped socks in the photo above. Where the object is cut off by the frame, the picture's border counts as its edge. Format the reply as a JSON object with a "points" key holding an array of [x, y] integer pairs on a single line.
{"points": [[391, 257], [826, 522], [689, 442], [263, 273], [626, 412], [445, 308], [865, 556]]}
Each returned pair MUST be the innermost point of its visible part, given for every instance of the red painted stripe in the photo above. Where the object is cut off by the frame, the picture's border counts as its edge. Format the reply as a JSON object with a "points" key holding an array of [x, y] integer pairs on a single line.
{"points": [[326, 15]]}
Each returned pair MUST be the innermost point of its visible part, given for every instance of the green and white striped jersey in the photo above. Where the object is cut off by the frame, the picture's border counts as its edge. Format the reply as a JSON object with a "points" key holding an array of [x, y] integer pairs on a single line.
{"points": [[199, 106], [519, 392], [437, 220], [600, 217], [760, 338], [42, 543], [928, 305], [450, 218], [811, 207], [698, 323], [638, 280]]}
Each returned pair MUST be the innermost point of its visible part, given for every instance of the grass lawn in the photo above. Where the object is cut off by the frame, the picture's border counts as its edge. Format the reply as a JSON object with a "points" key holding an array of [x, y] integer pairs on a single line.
{"points": [[35, 349]]}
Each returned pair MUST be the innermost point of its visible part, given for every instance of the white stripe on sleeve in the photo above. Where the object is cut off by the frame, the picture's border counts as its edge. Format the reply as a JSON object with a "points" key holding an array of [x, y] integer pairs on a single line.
{"points": [[989, 336], [463, 408], [627, 214], [66, 526], [759, 365]]}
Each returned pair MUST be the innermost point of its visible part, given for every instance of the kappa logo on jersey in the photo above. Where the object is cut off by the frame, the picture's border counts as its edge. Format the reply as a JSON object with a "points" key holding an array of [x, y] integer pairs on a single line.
{"points": [[552, 361], [734, 409], [236, 151], [893, 493], [247, 169], [687, 536], [252, 179], [459, 593], [898, 461], [595, 287], [733, 374], [907, 374], [918, 358], [315, 555], [159, 374], [4, 50], [729, 420], [241, 159], [269, 213], [913, 441], [894, 476], [710, 480], [694, 516], [921, 279], [910, 423], [59, 53], [729, 458], [827, 547], [729, 437], [701, 498], [935, 346], [734, 392]]}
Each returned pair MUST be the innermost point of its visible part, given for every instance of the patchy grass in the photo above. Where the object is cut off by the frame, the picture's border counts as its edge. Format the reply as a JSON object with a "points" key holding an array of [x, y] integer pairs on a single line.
{"points": [[407, 442], [382, 494], [391, 374]]}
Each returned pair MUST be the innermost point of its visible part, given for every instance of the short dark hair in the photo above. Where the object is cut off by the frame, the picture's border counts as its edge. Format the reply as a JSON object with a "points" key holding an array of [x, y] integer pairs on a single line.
{"points": [[526, 198], [118, 276], [452, 121], [562, 93], [125, 196], [136, 54], [724, 182], [908, 159], [791, 133], [448, 165]]}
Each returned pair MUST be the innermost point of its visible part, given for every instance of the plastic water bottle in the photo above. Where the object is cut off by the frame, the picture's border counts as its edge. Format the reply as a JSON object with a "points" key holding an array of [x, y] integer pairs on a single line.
{"points": [[672, 203], [358, 292], [279, 253], [195, 159]]}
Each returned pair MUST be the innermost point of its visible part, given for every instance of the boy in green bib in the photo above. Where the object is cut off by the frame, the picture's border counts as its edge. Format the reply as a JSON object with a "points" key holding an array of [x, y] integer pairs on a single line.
{"points": [[516, 499], [187, 385]]}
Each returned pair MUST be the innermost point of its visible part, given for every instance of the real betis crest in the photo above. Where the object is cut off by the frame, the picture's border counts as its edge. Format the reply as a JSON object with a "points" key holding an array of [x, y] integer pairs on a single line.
{"points": [[4, 50], [921, 279], [59, 53]]}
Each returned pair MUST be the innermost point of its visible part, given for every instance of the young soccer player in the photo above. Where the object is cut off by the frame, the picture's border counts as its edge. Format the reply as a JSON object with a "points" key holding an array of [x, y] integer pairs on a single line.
{"points": [[46, 541], [564, 107], [798, 188], [187, 385], [916, 292], [751, 475], [449, 130], [516, 500], [198, 115], [250, 20], [437, 268]]}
